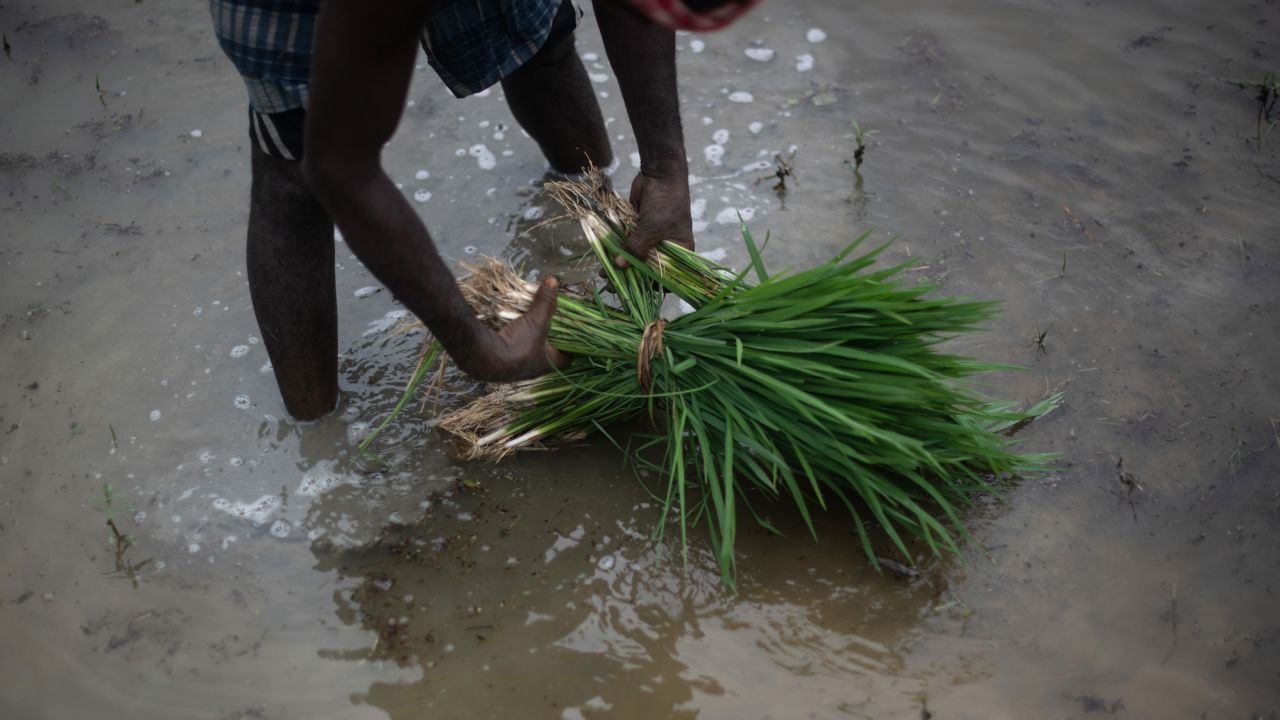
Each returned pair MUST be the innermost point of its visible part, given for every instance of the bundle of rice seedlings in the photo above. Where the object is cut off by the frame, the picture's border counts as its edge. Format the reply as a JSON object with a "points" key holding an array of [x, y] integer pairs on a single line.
{"points": [[825, 386]]}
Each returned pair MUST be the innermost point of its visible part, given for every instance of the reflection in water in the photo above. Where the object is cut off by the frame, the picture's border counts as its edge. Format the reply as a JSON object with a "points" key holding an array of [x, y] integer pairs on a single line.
{"points": [[510, 592]]}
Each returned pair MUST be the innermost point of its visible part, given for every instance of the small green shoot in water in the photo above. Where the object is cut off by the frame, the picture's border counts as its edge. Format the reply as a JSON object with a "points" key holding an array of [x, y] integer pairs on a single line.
{"points": [[108, 509], [859, 136], [1267, 98], [122, 542], [1038, 340], [102, 95]]}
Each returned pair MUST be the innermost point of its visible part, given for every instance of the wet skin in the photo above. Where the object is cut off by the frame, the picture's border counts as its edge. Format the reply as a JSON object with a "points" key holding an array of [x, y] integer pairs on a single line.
{"points": [[363, 62]]}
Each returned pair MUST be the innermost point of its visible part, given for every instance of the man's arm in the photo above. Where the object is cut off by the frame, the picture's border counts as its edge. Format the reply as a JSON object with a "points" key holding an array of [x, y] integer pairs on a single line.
{"points": [[643, 56], [361, 70]]}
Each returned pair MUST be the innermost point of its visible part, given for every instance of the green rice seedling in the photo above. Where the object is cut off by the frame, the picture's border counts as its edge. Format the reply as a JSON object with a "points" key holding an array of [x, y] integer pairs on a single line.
{"points": [[824, 386]]}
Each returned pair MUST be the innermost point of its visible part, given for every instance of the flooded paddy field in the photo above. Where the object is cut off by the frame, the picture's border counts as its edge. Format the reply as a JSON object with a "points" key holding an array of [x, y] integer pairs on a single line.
{"points": [[1087, 163]]}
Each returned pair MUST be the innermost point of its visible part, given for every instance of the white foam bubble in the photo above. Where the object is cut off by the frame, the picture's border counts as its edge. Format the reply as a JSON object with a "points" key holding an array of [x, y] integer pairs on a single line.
{"points": [[635, 159], [280, 529], [321, 478], [460, 152], [252, 340], [356, 431], [266, 367], [757, 166], [729, 215], [741, 96], [193, 548], [197, 133], [422, 175], [471, 249], [424, 195], [242, 402], [206, 457], [155, 416], [386, 322], [804, 63], [697, 46], [759, 54], [534, 212], [483, 157], [239, 351], [815, 35], [256, 512], [720, 136], [697, 208], [755, 127], [598, 77], [366, 291], [714, 154], [590, 57]]}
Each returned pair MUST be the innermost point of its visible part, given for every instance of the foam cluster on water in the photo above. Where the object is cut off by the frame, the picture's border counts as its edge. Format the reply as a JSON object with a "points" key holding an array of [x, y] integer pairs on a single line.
{"points": [[257, 512], [322, 477], [386, 322]]}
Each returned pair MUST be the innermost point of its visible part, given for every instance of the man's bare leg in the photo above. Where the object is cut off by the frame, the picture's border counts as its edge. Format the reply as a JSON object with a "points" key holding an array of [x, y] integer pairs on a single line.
{"points": [[291, 280], [552, 99]]}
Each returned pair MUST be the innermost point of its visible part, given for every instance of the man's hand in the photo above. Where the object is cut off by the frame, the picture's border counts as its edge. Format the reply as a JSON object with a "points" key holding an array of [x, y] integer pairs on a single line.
{"points": [[663, 208], [643, 56], [520, 349]]}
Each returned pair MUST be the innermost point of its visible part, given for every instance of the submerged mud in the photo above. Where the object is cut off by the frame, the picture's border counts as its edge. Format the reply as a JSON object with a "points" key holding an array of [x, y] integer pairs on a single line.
{"points": [[1085, 163]]}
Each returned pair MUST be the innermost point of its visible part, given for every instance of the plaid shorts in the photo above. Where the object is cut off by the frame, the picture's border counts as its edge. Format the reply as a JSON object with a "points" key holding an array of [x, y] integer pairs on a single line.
{"points": [[471, 44]]}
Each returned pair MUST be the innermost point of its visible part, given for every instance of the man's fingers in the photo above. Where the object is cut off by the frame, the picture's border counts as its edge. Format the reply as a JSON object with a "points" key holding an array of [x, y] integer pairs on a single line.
{"points": [[544, 304], [637, 246], [558, 359]]}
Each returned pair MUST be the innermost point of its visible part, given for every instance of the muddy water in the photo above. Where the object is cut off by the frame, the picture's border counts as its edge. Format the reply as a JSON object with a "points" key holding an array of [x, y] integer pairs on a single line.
{"points": [[1081, 161]]}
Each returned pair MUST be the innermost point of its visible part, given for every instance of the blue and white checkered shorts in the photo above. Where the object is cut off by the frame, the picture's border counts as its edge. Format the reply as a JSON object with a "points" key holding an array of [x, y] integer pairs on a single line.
{"points": [[471, 44]]}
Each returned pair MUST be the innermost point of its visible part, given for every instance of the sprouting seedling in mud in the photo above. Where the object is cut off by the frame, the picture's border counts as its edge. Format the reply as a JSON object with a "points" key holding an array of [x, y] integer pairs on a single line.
{"points": [[108, 508], [1038, 340], [781, 171], [859, 136], [102, 94], [122, 541], [1130, 485], [1267, 98]]}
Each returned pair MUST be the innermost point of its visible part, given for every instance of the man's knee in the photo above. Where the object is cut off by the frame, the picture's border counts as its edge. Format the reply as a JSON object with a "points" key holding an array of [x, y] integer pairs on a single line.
{"points": [[559, 45]]}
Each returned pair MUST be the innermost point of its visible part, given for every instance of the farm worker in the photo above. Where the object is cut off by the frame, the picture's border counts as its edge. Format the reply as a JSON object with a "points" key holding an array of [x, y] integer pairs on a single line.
{"points": [[327, 84]]}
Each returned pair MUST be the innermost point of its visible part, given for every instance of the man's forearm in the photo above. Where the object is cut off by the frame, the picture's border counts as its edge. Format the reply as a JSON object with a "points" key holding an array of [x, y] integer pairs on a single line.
{"points": [[363, 62], [386, 234], [643, 56]]}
